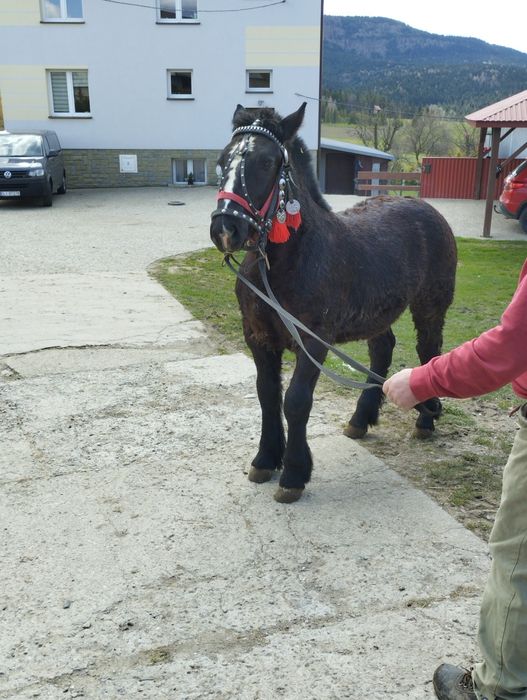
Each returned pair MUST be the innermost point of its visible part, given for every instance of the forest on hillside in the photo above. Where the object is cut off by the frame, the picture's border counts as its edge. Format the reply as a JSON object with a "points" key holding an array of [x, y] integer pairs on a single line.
{"points": [[406, 91]]}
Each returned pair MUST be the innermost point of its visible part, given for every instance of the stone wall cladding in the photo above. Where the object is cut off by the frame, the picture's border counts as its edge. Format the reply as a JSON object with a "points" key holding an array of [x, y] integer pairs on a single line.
{"points": [[100, 167]]}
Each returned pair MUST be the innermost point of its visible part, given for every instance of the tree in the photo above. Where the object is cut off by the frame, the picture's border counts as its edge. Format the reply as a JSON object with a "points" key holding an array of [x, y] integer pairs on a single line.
{"points": [[427, 134], [465, 139], [329, 111], [377, 129]]}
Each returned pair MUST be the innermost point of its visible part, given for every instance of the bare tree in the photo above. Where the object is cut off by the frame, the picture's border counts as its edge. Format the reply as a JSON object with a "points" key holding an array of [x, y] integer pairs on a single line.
{"points": [[377, 129], [465, 139], [427, 134], [329, 111]]}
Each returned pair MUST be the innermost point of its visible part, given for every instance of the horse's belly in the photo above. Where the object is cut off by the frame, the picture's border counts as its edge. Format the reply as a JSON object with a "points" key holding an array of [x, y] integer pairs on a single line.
{"points": [[363, 326]]}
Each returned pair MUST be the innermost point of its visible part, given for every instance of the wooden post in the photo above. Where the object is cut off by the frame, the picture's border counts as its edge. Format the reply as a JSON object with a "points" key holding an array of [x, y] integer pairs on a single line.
{"points": [[491, 181], [479, 163]]}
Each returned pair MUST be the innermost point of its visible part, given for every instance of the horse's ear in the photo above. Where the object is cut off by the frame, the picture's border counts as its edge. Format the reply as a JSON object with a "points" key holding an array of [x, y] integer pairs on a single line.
{"points": [[291, 124], [239, 108]]}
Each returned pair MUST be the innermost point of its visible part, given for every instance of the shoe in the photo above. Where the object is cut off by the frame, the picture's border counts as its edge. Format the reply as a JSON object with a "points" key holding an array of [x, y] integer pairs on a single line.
{"points": [[453, 683]]}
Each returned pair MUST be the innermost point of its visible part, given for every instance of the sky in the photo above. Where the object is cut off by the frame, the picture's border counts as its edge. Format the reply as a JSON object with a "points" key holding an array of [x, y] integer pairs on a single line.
{"points": [[495, 24]]}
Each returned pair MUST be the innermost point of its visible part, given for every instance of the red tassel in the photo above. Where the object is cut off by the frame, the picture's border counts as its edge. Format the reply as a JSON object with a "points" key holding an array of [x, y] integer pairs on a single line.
{"points": [[293, 221], [279, 233]]}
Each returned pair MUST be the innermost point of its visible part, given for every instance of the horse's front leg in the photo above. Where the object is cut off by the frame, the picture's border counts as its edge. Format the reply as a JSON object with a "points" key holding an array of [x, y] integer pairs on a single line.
{"points": [[269, 388], [298, 462]]}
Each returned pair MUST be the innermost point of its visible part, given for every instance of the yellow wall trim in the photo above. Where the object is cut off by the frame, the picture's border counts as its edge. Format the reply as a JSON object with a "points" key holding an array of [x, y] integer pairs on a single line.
{"points": [[266, 47], [24, 93], [19, 13]]}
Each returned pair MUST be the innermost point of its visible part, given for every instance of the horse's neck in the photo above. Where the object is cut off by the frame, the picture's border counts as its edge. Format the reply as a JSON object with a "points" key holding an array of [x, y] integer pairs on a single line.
{"points": [[304, 174]]}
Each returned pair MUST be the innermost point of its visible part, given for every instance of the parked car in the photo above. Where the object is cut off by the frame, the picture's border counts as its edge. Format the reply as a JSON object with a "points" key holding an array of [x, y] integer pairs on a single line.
{"points": [[513, 200], [31, 165]]}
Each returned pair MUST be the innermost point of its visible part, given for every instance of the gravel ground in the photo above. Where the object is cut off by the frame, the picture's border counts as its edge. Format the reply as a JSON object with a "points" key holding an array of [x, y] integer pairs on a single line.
{"points": [[137, 559]]}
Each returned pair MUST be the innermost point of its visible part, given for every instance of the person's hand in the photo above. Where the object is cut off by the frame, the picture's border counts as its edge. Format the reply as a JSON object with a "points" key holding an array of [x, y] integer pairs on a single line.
{"points": [[397, 389]]}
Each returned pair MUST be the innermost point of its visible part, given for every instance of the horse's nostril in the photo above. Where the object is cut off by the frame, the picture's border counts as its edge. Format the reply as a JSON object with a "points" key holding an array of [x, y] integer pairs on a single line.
{"points": [[225, 241]]}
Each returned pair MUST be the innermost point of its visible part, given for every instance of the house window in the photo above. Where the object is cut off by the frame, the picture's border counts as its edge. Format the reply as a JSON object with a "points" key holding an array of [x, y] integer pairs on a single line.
{"points": [[177, 10], [69, 93], [259, 80], [62, 10], [189, 171], [180, 84]]}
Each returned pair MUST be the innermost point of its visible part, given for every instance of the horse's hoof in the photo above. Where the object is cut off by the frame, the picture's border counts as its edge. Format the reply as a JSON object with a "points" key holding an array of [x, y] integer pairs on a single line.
{"points": [[355, 433], [283, 495], [260, 476], [423, 433]]}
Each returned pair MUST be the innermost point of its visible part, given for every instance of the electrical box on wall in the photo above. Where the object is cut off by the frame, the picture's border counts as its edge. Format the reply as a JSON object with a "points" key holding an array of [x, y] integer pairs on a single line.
{"points": [[128, 163]]}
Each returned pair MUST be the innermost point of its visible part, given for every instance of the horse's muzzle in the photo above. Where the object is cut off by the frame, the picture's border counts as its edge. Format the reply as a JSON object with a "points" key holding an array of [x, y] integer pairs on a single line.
{"points": [[229, 235]]}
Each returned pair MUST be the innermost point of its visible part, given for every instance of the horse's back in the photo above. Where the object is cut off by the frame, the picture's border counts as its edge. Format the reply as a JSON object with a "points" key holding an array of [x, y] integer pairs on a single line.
{"points": [[402, 225]]}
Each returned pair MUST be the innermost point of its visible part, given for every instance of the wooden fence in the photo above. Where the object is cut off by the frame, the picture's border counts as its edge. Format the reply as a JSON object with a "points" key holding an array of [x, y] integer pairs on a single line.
{"points": [[393, 182]]}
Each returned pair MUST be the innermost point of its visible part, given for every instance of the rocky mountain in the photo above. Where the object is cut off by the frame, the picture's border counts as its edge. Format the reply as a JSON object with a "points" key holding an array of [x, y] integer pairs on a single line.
{"points": [[392, 62]]}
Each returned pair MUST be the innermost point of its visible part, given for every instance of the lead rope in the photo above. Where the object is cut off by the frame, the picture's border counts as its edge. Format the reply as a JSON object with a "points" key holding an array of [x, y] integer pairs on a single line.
{"points": [[293, 324]]}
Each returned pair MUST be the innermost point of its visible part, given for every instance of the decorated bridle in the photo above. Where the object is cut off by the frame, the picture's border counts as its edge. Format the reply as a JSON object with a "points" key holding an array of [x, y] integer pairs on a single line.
{"points": [[279, 213]]}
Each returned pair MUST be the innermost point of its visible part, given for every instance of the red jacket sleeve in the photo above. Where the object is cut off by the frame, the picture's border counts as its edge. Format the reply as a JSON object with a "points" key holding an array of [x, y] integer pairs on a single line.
{"points": [[492, 360]]}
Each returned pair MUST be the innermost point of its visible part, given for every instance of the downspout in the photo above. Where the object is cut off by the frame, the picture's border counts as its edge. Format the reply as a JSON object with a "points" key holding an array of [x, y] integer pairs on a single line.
{"points": [[320, 89]]}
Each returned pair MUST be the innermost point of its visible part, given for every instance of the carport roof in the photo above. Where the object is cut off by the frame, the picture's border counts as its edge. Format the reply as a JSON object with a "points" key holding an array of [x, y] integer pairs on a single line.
{"points": [[356, 149], [510, 112]]}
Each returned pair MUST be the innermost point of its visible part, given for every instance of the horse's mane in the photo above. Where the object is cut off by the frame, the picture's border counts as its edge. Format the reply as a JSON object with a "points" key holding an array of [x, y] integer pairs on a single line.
{"points": [[298, 151]]}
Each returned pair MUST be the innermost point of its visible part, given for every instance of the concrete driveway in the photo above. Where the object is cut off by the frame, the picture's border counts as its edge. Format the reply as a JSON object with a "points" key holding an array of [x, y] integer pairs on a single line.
{"points": [[137, 560]]}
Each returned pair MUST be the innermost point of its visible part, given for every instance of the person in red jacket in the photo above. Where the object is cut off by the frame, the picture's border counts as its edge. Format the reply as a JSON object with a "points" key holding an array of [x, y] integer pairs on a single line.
{"points": [[495, 358]]}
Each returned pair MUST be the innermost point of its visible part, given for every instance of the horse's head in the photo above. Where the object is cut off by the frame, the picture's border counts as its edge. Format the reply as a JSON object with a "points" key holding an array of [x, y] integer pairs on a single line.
{"points": [[253, 167]]}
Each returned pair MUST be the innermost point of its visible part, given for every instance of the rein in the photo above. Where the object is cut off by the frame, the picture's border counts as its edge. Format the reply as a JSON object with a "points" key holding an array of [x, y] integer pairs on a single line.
{"points": [[293, 324]]}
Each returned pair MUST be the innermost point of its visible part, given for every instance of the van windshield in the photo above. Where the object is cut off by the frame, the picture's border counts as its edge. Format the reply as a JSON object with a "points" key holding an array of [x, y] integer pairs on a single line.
{"points": [[20, 145]]}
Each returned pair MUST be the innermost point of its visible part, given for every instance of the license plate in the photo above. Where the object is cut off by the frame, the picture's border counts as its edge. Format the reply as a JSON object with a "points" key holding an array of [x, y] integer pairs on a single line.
{"points": [[12, 193]]}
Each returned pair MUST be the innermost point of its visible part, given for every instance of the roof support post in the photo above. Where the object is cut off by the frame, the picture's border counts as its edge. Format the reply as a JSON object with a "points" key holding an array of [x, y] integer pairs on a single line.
{"points": [[479, 163], [491, 181]]}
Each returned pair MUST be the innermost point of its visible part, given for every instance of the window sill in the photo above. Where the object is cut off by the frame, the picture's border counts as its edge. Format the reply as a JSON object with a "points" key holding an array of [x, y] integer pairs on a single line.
{"points": [[259, 90], [62, 21], [70, 116], [178, 21], [179, 98]]}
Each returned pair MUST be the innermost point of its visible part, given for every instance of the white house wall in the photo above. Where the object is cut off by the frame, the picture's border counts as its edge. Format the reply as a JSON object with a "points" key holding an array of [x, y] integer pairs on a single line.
{"points": [[127, 55]]}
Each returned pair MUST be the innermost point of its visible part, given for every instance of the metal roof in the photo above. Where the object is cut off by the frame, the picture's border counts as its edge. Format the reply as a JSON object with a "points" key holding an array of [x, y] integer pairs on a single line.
{"points": [[344, 146], [510, 112]]}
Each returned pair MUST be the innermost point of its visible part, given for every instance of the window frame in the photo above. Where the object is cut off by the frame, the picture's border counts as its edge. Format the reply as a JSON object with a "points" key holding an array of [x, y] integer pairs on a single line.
{"points": [[248, 87], [63, 14], [183, 96], [178, 11], [189, 164], [71, 95]]}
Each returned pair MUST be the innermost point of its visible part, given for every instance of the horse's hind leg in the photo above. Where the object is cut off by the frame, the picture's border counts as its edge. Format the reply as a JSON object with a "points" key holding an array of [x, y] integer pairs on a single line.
{"points": [[367, 409], [269, 388], [429, 327]]}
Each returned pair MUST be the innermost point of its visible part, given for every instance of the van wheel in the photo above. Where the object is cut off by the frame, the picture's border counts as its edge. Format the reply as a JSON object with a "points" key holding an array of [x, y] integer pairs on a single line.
{"points": [[62, 188], [47, 199], [523, 220]]}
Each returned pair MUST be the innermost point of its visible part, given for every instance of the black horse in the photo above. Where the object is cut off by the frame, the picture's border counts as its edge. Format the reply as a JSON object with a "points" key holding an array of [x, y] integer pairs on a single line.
{"points": [[345, 276]]}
